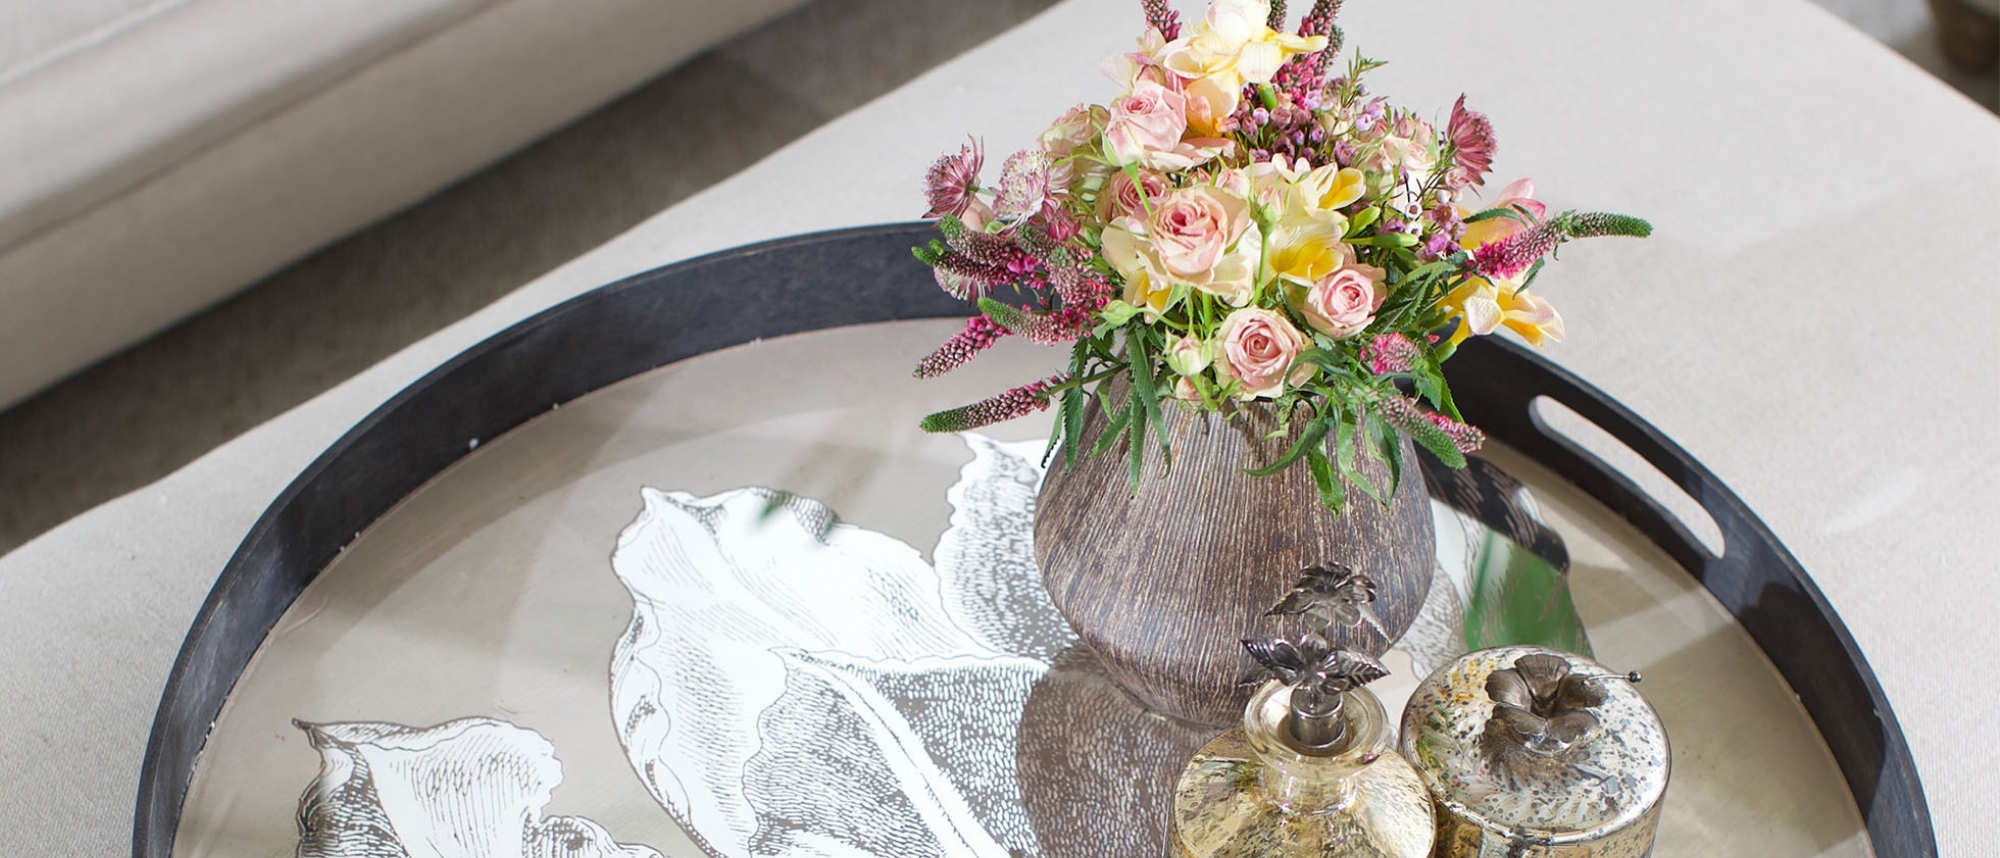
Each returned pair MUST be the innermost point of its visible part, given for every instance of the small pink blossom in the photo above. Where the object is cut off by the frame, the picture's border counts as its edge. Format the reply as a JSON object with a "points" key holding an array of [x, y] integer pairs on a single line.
{"points": [[1019, 402], [1185, 390], [1390, 353], [1342, 303], [1258, 346], [980, 334]]}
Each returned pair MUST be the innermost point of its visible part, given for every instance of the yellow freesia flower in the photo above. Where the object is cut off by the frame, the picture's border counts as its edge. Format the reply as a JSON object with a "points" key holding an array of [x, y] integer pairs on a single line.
{"points": [[1484, 306], [1327, 189], [1126, 251], [1230, 47], [1302, 250]]}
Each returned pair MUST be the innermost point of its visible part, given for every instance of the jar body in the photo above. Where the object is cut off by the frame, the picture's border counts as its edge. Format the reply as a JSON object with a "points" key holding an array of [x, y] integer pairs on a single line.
{"points": [[1597, 796], [1250, 793]]}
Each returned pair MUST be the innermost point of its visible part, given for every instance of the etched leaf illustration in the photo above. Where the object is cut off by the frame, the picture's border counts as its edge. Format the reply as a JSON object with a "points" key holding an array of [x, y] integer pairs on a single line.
{"points": [[471, 788], [894, 758], [743, 604]]}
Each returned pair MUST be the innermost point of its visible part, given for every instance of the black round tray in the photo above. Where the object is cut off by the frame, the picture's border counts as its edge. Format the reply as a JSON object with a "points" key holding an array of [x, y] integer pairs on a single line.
{"points": [[867, 275]]}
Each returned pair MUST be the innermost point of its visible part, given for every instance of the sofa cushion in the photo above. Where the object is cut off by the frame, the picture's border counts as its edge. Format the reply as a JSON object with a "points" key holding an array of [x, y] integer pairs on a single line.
{"points": [[161, 155]]}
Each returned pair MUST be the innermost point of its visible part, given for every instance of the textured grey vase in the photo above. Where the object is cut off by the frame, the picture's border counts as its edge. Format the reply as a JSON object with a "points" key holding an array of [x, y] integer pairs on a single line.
{"points": [[1165, 583]]}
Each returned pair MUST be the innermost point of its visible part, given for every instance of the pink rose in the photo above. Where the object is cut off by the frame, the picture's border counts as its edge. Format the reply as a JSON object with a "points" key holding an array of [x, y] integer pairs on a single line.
{"points": [[1121, 197], [1192, 227], [1257, 347], [1151, 119], [1341, 303], [1071, 131]]}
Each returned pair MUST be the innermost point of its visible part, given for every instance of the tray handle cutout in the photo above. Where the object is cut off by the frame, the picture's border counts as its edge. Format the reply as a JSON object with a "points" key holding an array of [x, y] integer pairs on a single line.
{"points": [[1562, 425]]}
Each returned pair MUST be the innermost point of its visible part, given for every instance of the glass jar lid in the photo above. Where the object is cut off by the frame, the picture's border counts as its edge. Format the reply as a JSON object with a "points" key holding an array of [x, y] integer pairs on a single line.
{"points": [[1538, 744]]}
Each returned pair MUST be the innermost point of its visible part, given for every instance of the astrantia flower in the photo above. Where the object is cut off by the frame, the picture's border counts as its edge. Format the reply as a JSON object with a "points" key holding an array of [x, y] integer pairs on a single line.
{"points": [[1472, 145], [1025, 184], [953, 180]]}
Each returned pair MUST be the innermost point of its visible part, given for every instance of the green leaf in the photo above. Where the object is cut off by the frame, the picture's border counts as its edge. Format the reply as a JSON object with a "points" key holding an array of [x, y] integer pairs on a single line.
{"points": [[1311, 437], [1393, 447], [1335, 364], [1513, 212], [1343, 442], [1072, 405], [1142, 379], [1429, 384], [1332, 493], [1056, 428], [1344, 449], [1136, 439], [1110, 435], [1533, 272]]}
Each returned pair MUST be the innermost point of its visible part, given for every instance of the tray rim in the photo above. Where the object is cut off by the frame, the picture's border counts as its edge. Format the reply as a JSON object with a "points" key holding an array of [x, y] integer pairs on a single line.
{"points": [[864, 275]]}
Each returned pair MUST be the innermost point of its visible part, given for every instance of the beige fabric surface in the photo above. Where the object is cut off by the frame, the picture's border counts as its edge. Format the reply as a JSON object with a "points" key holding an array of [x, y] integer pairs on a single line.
{"points": [[1798, 322], [191, 148]]}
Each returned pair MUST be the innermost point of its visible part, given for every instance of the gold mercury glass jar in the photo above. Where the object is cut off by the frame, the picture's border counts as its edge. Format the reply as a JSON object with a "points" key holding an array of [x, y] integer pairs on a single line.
{"points": [[1536, 752], [1255, 792]]}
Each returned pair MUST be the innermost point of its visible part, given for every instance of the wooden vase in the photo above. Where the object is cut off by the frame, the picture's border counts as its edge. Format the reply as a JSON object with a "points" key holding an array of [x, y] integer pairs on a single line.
{"points": [[1166, 582]]}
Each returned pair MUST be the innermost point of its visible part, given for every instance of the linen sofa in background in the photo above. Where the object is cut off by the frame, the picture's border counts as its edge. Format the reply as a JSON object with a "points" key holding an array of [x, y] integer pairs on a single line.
{"points": [[156, 156]]}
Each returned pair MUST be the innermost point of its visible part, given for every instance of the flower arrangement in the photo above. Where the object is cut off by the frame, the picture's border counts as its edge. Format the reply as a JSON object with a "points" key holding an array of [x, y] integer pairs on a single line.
{"points": [[1242, 225]]}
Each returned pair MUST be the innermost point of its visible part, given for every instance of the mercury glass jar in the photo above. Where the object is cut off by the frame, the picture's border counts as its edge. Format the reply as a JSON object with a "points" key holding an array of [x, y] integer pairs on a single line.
{"points": [[1257, 791], [1535, 752]]}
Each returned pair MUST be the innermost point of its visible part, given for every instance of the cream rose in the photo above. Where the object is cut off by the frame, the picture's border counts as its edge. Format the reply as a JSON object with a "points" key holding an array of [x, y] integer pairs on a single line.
{"points": [[1342, 303], [1257, 347], [1152, 119]]}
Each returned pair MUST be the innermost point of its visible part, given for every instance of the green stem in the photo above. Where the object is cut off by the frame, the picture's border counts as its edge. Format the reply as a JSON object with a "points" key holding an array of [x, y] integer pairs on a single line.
{"points": [[1089, 379]]}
